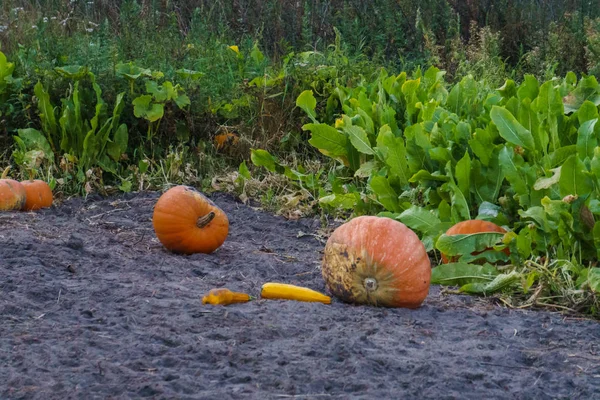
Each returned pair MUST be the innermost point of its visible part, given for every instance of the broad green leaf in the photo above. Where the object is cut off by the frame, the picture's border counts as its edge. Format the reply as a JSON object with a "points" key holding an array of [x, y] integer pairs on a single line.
{"points": [[460, 206], [547, 183], [463, 175], [366, 169], [587, 89], [308, 103], [510, 129], [119, 142], [529, 89], [6, 70], [453, 245], [587, 111], [35, 140], [46, 113], [509, 89], [595, 163], [385, 193], [462, 273], [257, 55], [182, 100], [368, 121], [243, 170], [594, 279], [143, 107], [574, 178], [512, 171], [530, 121], [327, 139], [482, 145], [488, 211], [125, 186], [394, 153], [500, 282], [586, 139], [74, 72], [491, 256], [346, 201], [189, 74], [423, 175], [538, 215], [359, 139], [262, 158], [143, 166], [559, 156], [420, 219], [131, 71]]}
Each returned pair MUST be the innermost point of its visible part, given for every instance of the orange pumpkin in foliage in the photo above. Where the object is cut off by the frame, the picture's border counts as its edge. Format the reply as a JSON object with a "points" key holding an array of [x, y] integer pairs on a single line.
{"points": [[12, 195], [377, 261], [187, 222], [472, 226], [39, 194]]}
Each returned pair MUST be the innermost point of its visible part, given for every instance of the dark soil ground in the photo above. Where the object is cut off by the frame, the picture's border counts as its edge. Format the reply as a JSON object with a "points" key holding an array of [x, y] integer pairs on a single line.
{"points": [[92, 307]]}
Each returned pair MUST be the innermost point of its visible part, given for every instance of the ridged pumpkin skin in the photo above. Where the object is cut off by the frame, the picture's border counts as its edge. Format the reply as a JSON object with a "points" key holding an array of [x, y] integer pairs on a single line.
{"points": [[187, 222], [12, 195], [472, 226], [377, 261], [39, 195]]}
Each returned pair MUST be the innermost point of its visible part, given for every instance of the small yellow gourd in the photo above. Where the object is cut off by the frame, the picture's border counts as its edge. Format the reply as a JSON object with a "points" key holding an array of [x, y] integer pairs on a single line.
{"points": [[284, 291]]}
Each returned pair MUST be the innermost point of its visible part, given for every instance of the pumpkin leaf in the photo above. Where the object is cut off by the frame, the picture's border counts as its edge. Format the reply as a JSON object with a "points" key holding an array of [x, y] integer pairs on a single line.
{"points": [[143, 107]]}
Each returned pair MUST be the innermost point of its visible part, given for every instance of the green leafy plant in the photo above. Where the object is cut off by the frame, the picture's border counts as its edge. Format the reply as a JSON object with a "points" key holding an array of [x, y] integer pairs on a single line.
{"points": [[88, 134]]}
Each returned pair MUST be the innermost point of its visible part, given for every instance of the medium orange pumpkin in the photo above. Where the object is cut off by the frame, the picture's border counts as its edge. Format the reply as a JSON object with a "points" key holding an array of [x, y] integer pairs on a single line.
{"points": [[12, 195], [472, 226], [39, 195], [377, 261], [187, 222]]}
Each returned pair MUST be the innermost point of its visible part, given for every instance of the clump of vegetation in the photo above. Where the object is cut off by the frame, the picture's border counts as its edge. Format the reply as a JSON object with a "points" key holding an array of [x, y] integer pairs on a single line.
{"points": [[438, 118]]}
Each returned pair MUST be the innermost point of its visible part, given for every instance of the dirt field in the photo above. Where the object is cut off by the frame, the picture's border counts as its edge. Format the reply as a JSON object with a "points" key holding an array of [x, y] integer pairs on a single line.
{"points": [[92, 307]]}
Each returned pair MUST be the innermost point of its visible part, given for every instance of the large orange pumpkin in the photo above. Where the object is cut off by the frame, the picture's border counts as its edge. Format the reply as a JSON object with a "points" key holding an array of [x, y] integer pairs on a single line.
{"points": [[187, 222], [472, 226], [39, 194], [377, 261], [12, 195]]}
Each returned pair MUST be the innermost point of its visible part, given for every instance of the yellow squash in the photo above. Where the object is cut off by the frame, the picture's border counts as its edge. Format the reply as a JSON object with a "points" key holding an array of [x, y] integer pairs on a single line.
{"points": [[224, 296], [284, 291]]}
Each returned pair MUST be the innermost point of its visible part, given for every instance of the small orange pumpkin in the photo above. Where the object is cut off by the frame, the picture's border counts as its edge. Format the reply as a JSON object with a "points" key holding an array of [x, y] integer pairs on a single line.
{"points": [[187, 222], [472, 226], [12, 195], [377, 261], [39, 195]]}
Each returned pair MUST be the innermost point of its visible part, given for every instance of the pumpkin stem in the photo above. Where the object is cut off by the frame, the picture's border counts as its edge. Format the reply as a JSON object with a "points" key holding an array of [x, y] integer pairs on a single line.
{"points": [[370, 284], [205, 220]]}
